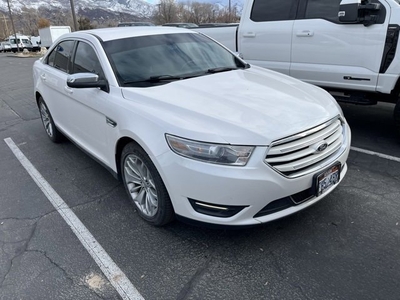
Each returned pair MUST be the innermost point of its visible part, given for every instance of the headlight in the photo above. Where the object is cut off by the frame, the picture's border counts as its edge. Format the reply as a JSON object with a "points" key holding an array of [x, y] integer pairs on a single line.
{"points": [[211, 153]]}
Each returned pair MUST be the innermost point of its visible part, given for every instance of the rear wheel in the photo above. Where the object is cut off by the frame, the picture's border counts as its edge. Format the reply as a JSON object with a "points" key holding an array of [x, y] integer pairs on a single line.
{"points": [[397, 116], [145, 187], [48, 123]]}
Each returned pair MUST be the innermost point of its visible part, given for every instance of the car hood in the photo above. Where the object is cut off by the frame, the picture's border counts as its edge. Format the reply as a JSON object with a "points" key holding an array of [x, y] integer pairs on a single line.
{"points": [[246, 107]]}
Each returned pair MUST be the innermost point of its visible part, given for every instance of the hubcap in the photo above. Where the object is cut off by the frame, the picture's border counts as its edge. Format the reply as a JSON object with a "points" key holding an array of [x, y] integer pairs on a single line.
{"points": [[140, 185], [44, 113]]}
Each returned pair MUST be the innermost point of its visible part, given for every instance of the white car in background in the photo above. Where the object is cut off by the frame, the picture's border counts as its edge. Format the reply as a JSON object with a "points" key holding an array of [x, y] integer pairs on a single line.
{"points": [[5, 47], [192, 130], [20, 43]]}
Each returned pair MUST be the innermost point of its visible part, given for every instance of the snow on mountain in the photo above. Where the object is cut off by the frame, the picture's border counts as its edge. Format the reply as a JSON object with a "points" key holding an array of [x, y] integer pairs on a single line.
{"points": [[139, 8], [224, 3]]}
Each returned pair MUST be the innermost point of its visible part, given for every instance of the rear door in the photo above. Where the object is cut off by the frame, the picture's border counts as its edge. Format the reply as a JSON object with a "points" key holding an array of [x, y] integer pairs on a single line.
{"points": [[330, 54], [53, 75], [265, 33]]}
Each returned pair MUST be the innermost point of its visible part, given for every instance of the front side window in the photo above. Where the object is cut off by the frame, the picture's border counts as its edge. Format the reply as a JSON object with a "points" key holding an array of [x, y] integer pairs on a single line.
{"points": [[323, 9], [273, 10], [329, 9], [86, 60], [60, 56]]}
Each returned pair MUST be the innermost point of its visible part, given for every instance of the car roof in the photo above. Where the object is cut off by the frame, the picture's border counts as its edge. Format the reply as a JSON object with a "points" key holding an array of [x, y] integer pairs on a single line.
{"points": [[115, 33]]}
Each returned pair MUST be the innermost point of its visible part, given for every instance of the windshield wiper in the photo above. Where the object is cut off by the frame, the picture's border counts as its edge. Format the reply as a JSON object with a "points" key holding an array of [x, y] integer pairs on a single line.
{"points": [[160, 78], [221, 69], [226, 69], [155, 79]]}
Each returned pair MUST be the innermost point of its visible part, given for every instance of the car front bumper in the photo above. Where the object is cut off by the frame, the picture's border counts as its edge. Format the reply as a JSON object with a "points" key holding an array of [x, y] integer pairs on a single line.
{"points": [[249, 189]]}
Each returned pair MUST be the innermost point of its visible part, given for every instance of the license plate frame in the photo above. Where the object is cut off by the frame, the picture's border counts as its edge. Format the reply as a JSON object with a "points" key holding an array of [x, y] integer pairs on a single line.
{"points": [[326, 179]]}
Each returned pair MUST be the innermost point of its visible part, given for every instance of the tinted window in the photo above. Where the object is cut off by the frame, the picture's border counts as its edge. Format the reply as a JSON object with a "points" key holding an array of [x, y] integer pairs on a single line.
{"points": [[273, 10], [323, 9], [137, 60], [50, 58], [86, 60], [60, 56]]}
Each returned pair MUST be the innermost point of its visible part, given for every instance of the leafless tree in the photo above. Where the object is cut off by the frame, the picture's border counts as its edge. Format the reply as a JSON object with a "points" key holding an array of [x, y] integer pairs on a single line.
{"points": [[5, 26], [201, 12], [167, 12], [193, 12], [28, 21]]}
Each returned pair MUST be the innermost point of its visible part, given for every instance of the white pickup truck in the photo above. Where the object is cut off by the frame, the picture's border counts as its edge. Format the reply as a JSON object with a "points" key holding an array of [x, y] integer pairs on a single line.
{"points": [[348, 47]]}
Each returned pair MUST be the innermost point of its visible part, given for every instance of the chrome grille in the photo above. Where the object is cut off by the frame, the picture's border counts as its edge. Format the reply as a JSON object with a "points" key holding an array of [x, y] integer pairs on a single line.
{"points": [[305, 152]]}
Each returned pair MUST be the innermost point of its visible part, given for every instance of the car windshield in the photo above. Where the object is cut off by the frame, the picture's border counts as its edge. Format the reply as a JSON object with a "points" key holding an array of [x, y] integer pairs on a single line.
{"points": [[158, 59]]}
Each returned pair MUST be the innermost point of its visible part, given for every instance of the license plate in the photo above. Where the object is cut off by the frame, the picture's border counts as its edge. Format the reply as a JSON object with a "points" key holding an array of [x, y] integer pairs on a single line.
{"points": [[327, 179]]}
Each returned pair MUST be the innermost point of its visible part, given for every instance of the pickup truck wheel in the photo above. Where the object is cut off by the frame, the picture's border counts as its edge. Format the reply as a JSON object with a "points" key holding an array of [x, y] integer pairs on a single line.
{"points": [[397, 116], [48, 123], [145, 187]]}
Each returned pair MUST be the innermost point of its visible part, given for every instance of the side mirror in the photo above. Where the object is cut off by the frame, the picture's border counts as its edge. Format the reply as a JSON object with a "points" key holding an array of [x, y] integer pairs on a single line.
{"points": [[358, 11], [87, 80], [348, 11]]}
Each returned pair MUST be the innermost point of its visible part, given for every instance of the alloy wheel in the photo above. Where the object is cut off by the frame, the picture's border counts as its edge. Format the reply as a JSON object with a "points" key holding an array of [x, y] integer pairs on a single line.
{"points": [[44, 114], [140, 185]]}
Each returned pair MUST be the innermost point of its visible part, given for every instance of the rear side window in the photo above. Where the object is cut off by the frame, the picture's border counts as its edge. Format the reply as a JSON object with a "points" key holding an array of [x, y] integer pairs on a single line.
{"points": [[273, 10], [86, 60], [60, 57]]}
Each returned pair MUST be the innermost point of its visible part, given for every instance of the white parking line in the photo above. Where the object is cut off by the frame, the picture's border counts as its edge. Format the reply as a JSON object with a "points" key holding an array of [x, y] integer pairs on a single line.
{"points": [[113, 273], [389, 157]]}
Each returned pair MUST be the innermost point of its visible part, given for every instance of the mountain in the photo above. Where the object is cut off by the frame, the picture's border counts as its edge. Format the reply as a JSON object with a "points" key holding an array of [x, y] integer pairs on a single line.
{"points": [[138, 8], [224, 3], [101, 13]]}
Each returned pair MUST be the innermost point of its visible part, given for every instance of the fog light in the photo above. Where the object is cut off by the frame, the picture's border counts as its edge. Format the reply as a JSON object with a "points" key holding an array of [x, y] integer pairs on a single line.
{"points": [[215, 210]]}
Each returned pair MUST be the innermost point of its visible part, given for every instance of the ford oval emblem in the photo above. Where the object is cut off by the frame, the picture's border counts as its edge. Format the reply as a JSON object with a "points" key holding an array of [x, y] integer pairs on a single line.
{"points": [[322, 147]]}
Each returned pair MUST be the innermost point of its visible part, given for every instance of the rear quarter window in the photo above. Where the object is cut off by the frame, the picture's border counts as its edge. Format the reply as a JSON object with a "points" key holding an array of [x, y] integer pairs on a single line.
{"points": [[60, 57]]}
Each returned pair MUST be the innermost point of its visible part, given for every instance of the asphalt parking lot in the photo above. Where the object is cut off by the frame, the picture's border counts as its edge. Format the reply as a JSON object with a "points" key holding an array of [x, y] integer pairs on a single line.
{"points": [[345, 247]]}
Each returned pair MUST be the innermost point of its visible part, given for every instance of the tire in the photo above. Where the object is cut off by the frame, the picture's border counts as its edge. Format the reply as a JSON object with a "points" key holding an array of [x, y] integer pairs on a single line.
{"points": [[145, 187], [396, 115], [47, 120]]}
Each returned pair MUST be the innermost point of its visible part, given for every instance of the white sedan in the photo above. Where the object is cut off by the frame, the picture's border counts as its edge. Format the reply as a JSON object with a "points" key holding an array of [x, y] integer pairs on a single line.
{"points": [[192, 130]]}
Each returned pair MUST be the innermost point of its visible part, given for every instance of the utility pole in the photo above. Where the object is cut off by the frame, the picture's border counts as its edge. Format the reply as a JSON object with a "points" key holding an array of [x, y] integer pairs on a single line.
{"points": [[12, 23], [73, 15], [229, 10]]}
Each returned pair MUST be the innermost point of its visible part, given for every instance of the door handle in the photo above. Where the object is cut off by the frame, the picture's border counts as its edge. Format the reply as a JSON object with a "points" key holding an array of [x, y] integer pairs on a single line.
{"points": [[43, 76], [249, 34], [111, 122], [68, 90], [305, 33]]}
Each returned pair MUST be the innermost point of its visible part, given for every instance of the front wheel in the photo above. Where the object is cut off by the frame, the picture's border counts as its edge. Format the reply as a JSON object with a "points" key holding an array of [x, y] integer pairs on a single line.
{"points": [[397, 116], [48, 123], [145, 187]]}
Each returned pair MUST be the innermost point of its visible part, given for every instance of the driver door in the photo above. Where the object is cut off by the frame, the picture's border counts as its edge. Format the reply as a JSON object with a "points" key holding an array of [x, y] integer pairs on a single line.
{"points": [[330, 54]]}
